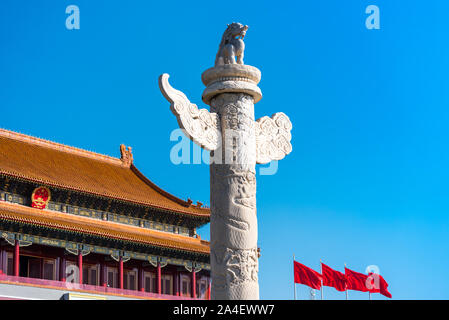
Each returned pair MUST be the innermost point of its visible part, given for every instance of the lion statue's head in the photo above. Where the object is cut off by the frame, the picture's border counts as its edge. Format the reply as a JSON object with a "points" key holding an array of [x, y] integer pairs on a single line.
{"points": [[235, 30]]}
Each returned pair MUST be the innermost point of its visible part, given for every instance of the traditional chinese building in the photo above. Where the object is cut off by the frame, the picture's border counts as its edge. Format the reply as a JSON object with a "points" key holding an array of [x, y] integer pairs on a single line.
{"points": [[64, 210]]}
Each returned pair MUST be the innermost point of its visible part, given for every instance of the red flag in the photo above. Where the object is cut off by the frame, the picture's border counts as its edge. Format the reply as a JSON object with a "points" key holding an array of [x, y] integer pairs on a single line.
{"points": [[307, 276], [377, 284], [333, 278], [208, 290], [355, 280]]}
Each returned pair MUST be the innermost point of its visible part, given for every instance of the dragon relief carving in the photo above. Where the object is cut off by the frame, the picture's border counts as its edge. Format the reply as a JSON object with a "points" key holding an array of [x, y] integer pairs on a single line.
{"points": [[236, 266], [237, 207], [243, 186], [238, 130], [246, 192]]}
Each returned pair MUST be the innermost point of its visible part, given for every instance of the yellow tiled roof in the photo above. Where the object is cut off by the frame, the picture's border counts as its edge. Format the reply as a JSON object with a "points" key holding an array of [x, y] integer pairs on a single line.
{"points": [[107, 229], [58, 165]]}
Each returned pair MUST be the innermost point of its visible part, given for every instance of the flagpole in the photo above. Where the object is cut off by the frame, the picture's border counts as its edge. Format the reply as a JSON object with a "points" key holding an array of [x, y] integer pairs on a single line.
{"points": [[346, 287], [294, 283], [321, 268]]}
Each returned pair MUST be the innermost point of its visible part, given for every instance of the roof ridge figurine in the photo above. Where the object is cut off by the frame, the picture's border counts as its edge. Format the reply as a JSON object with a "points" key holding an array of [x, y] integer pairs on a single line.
{"points": [[126, 155]]}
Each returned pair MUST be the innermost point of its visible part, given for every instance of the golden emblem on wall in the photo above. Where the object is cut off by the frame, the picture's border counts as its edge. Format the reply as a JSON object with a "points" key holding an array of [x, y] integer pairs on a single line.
{"points": [[40, 197]]}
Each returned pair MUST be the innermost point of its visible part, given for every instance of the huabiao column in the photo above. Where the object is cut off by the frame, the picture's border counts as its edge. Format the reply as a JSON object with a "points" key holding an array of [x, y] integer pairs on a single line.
{"points": [[237, 142]]}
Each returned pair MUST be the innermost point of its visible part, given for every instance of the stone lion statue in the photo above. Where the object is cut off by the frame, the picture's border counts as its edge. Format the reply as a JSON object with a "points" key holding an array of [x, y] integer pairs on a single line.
{"points": [[231, 46]]}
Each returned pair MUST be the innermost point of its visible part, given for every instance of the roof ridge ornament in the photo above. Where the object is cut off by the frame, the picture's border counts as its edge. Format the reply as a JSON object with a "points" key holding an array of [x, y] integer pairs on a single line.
{"points": [[199, 204], [126, 155]]}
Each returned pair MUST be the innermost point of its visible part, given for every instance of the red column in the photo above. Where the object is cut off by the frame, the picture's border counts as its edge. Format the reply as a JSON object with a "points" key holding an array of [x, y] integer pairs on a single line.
{"points": [[103, 275], [42, 269], [62, 268], [57, 268], [1, 260], [208, 289], [193, 283], [176, 283], [141, 280], [16, 258], [5, 261], [80, 267], [158, 278], [120, 267]]}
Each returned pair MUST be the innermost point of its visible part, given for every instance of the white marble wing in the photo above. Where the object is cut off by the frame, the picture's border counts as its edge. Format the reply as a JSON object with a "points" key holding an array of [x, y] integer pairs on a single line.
{"points": [[200, 125], [273, 137]]}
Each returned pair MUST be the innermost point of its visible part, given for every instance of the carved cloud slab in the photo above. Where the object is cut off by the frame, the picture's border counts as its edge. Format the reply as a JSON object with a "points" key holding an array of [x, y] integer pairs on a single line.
{"points": [[273, 136], [200, 125]]}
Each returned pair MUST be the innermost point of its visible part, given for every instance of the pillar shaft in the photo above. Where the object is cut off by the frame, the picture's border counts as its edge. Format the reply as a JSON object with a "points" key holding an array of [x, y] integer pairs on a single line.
{"points": [[233, 225]]}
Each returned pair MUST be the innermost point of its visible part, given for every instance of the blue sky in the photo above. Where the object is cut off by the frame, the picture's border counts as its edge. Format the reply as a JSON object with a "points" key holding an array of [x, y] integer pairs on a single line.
{"points": [[367, 181]]}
